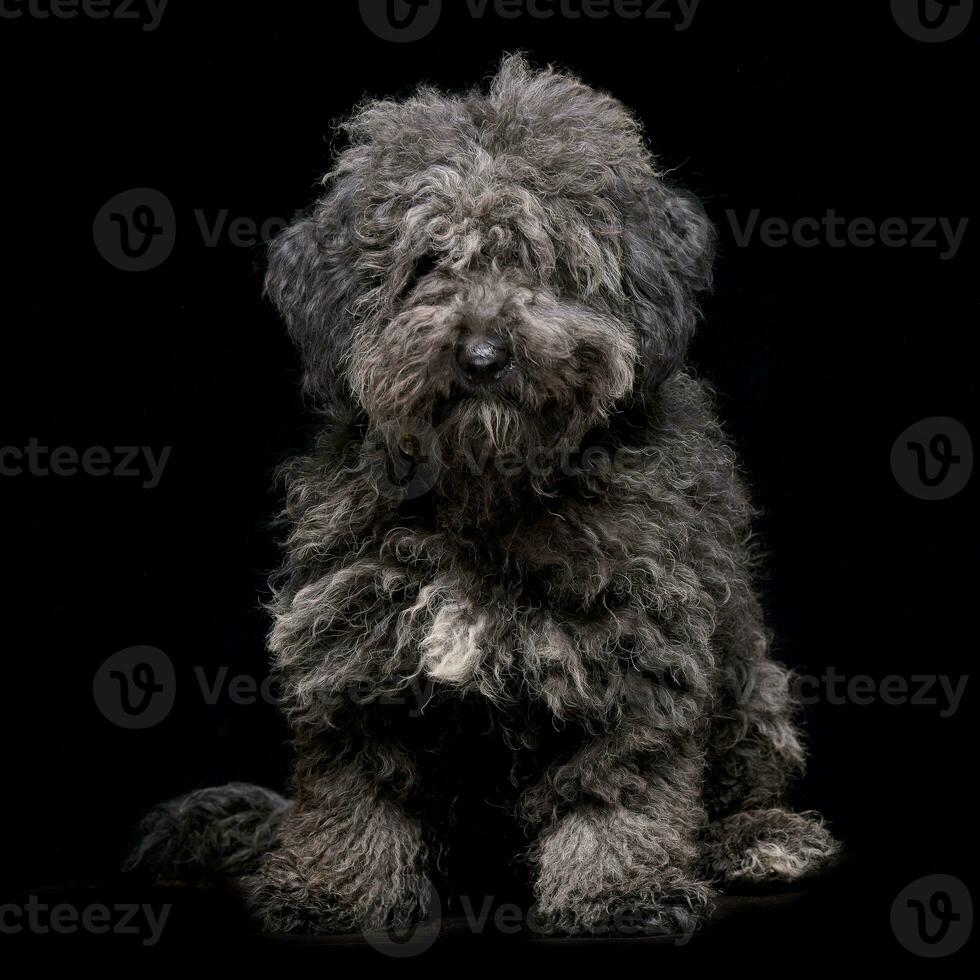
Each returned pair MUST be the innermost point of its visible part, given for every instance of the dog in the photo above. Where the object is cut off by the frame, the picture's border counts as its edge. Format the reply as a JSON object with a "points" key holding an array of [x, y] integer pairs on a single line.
{"points": [[521, 536]]}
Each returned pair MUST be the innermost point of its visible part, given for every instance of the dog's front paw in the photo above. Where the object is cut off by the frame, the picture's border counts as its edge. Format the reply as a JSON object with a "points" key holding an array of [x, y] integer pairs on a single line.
{"points": [[617, 871], [679, 911], [287, 895], [282, 900]]}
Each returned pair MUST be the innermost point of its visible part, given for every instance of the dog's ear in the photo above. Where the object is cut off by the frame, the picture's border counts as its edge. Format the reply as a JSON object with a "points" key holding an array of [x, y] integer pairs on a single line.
{"points": [[310, 279], [668, 248]]}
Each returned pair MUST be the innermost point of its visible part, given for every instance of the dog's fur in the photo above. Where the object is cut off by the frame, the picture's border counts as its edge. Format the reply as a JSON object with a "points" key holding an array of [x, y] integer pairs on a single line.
{"points": [[563, 555]]}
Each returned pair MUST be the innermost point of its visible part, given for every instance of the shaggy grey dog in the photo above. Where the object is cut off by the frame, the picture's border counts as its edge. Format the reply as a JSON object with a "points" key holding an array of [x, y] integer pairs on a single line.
{"points": [[520, 510]]}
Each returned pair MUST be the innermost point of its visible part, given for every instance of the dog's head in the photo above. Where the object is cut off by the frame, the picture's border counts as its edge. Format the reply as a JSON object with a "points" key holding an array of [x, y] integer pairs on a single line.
{"points": [[505, 265]]}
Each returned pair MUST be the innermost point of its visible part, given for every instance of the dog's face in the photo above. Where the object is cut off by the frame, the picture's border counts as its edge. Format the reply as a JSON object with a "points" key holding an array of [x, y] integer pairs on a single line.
{"points": [[504, 266]]}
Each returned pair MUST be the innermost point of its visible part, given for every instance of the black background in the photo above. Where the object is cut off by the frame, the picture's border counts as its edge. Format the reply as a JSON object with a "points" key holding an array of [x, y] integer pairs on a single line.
{"points": [[821, 356]]}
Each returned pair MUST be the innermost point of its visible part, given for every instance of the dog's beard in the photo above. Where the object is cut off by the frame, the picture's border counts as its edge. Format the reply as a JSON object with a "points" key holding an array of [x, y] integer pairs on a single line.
{"points": [[487, 426], [482, 456], [494, 450]]}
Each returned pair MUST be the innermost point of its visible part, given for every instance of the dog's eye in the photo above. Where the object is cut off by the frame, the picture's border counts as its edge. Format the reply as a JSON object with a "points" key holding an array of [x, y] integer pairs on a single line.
{"points": [[424, 264]]}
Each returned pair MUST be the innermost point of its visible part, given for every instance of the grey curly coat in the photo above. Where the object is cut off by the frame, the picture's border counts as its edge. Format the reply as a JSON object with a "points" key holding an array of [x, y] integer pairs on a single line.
{"points": [[520, 505]]}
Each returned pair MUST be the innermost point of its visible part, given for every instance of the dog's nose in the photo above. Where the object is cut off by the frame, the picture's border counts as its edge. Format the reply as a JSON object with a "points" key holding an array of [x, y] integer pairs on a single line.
{"points": [[482, 358]]}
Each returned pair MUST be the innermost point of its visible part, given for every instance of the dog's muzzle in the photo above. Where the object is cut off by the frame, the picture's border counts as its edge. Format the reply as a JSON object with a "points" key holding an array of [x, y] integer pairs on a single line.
{"points": [[481, 358]]}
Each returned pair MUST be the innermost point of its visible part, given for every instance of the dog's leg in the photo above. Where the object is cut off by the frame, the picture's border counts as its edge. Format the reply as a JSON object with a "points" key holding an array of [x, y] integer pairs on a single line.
{"points": [[349, 854], [622, 857], [754, 749]]}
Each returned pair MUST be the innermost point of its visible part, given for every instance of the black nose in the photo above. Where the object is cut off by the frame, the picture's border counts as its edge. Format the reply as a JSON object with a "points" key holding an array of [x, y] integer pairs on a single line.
{"points": [[482, 358]]}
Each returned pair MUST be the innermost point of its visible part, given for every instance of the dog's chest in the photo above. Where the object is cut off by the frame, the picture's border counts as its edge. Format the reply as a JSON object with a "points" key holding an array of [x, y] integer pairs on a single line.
{"points": [[570, 616], [507, 635]]}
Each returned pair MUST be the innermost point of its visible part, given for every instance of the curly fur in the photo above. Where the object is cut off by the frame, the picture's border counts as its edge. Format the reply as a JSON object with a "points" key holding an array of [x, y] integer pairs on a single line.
{"points": [[209, 833], [600, 619]]}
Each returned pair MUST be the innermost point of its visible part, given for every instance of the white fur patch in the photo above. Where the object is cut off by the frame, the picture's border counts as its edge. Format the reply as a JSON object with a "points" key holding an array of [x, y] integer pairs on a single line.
{"points": [[452, 650]]}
